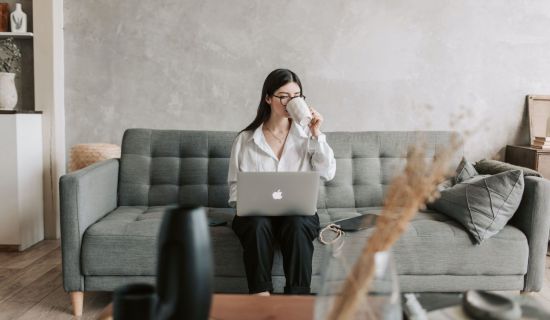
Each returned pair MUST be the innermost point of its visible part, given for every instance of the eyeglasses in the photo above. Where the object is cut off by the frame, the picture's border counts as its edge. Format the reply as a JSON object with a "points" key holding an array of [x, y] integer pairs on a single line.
{"points": [[286, 99]]}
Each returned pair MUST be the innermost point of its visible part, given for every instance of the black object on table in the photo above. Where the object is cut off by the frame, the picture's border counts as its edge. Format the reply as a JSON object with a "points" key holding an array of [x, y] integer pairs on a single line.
{"points": [[134, 301], [184, 273]]}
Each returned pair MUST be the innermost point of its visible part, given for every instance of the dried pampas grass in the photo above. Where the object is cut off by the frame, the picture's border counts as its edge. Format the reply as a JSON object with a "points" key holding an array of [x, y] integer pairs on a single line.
{"points": [[407, 193]]}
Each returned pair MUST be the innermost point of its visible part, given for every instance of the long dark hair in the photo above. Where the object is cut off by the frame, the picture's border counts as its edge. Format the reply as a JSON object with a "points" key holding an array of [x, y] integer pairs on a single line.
{"points": [[276, 79]]}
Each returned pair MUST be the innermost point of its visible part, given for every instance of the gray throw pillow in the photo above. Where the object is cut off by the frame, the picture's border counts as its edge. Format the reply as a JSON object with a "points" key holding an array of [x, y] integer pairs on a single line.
{"points": [[465, 171], [483, 204], [486, 166]]}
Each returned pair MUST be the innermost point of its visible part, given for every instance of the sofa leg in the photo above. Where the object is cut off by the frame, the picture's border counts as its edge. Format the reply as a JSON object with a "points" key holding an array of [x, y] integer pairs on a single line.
{"points": [[77, 300]]}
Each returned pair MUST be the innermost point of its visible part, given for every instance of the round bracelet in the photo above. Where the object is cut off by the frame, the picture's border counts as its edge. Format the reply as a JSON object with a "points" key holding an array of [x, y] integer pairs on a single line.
{"points": [[339, 234]]}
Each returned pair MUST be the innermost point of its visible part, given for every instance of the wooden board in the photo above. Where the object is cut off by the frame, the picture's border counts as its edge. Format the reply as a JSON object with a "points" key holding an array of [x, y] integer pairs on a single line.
{"points": [[538, 109], [243, 307]]}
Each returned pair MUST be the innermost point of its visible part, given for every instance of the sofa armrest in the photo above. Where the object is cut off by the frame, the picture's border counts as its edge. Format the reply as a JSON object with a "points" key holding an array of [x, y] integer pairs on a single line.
{"points": [[533, 218], [86, 196]]}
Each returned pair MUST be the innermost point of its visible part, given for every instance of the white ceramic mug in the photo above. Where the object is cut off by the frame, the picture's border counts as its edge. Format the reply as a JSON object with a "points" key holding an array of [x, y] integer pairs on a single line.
{"points": [[299, 111]]}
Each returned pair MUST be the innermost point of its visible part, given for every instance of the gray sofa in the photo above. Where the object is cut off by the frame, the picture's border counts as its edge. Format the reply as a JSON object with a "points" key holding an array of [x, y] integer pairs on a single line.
{"points": [[111, 211]]}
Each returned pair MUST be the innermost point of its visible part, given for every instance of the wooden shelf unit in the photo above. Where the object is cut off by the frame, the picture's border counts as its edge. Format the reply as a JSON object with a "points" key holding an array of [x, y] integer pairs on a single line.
{"points": [[16, 35], [526, 156]]}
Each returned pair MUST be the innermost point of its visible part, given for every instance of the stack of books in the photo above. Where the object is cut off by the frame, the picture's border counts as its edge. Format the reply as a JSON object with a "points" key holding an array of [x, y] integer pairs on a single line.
{"points": [[541, 143]]}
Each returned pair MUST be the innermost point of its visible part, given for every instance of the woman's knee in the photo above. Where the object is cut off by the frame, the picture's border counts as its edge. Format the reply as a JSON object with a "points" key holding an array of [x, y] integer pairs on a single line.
{"points": [[259, 222], [298, 225], [301, 225], [252, 225]]}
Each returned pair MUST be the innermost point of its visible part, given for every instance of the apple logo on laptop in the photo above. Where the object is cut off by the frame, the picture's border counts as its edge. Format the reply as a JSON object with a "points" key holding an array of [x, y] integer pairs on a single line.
{"points": [[277, 195]]}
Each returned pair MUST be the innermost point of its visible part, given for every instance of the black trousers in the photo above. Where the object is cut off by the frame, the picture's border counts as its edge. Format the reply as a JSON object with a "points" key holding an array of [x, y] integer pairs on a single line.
{"points": [[295, 235]]}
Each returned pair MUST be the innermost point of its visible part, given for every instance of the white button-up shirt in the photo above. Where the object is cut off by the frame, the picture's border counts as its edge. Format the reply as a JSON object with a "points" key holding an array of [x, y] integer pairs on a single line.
{"points": [[301, 152]]}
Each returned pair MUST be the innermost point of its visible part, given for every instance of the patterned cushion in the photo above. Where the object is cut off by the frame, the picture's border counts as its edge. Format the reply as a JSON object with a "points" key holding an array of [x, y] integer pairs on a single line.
{"points": [[483, 204]]}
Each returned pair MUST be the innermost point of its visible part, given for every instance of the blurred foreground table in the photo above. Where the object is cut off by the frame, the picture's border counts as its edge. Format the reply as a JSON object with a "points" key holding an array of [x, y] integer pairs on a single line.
{"points": [[244, 307], [251, 307]]}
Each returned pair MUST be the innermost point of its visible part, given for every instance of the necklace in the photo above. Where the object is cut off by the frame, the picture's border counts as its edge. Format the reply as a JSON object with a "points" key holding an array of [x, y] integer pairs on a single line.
{"points": [[281, 140]]}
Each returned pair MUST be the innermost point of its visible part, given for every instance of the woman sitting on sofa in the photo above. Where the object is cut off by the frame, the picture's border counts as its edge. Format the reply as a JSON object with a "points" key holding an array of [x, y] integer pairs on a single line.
{"points": [[273, 142]]}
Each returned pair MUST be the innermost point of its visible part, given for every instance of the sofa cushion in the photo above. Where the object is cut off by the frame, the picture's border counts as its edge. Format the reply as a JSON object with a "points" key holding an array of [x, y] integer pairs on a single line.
{"points": [[435, 244], [124, 243], [167, 167], [487, 166], [483, 204]]}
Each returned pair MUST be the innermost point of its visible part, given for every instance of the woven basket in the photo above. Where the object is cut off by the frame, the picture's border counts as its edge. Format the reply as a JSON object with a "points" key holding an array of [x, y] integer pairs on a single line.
{"points": [[83, 155]]}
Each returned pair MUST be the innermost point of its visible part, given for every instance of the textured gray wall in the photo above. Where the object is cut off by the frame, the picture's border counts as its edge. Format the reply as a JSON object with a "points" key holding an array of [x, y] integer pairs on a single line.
{"points": [[366, 65]]}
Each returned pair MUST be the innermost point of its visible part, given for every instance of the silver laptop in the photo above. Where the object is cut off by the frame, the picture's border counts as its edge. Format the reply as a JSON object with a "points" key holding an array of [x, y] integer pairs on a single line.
{"points": [[277, 193]]}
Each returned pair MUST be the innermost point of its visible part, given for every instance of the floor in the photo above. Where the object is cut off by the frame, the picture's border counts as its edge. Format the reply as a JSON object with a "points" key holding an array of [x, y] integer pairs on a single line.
{"points": [[31, 286]]}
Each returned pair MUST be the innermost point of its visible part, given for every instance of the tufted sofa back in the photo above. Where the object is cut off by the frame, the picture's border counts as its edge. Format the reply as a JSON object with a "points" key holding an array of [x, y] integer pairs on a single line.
{"points": [[164, 167]]}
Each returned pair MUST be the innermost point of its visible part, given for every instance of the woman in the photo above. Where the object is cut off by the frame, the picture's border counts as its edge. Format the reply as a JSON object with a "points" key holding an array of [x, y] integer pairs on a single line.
{"points": [[273, 142]]}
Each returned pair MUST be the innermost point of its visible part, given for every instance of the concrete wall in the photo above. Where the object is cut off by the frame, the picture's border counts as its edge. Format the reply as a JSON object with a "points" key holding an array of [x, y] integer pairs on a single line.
{"points": [[366, 65]]}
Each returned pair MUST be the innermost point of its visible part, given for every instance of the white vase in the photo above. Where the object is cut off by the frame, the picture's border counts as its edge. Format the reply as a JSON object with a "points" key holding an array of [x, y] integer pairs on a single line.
{"points": [[8, 93], [18, 19]]}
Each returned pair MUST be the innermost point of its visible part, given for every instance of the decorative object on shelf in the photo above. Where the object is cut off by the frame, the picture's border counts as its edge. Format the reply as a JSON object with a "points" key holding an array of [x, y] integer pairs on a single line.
{"points": [[8, 93], [10, 63], [541, 143], [371, 271], [4, 17], [18, 19], [83, 155]]}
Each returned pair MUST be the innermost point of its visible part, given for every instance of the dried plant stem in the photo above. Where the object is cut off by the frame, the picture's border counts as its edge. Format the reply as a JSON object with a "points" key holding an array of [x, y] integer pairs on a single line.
{"points": [[407, 194]]}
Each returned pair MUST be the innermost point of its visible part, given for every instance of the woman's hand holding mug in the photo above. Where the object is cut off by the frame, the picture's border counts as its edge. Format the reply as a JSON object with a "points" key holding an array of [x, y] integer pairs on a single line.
{"points": [[316, 121], [305, 115]]}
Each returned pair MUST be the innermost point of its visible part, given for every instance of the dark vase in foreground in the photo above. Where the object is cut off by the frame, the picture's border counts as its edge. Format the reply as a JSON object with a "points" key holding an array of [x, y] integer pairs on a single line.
{"points": [[184, 271]]}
